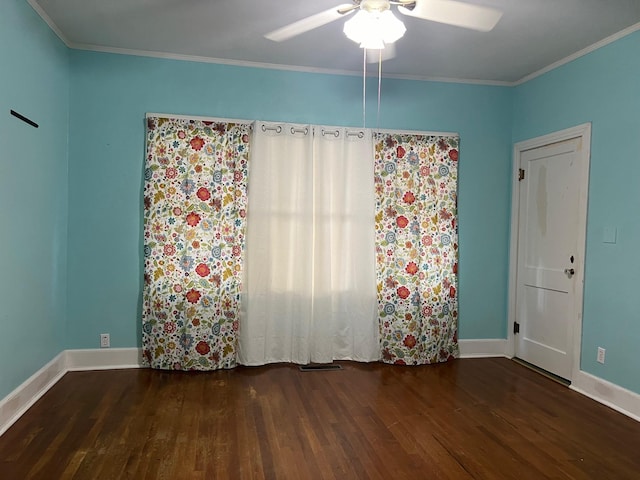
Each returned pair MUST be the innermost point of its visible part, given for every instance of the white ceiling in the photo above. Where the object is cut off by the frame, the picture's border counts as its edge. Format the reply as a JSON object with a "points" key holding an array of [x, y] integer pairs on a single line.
{"points": [[532, 34]]}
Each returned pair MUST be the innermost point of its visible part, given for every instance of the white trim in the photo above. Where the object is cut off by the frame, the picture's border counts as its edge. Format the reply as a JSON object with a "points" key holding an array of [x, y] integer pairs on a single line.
{"points": [[513, 253], [584, 133], [218, 61], [581, 53], [483, 348], [278, 66], [47, 19], [14, 405], [327, 71], [103, 359], [609, 394], [245, 63], [583, 130], [426, 78]]}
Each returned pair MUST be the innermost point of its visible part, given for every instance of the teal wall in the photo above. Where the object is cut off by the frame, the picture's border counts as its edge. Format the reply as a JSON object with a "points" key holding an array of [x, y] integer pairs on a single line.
{"points": [[110, 95], [33, 193], [601, 88], [86, 200]]}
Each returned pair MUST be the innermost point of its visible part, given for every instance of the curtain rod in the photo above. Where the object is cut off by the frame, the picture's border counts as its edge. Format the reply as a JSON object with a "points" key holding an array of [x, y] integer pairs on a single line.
{"points": [[235, 120], [417, 132], [198, 118]]}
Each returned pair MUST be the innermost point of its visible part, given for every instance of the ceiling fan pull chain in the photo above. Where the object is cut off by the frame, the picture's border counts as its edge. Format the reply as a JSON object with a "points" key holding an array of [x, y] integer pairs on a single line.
{"points": [[379, 87], [364, 89]]}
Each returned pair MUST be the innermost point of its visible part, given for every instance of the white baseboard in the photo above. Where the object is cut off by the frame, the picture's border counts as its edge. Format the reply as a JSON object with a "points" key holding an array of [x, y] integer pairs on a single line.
{"points": [[483, 348], [612, 395], [14, 405], [103, 359]]}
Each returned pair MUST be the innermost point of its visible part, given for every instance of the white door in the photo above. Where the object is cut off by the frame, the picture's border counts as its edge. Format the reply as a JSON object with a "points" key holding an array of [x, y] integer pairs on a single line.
{"points": [[551, 228]]}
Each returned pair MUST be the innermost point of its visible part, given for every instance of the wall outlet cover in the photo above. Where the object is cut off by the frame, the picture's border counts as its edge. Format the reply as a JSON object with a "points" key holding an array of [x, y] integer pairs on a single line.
{"points": [[609, 234], [601, 354]]}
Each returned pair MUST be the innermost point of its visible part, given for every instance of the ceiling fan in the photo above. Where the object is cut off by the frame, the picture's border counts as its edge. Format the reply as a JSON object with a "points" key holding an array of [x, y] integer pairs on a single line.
{"points": [[451, 12]]}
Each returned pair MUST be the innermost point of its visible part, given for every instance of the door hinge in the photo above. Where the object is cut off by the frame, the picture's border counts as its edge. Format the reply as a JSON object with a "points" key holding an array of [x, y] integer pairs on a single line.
{"points": [[516, 327], [521, 174]]}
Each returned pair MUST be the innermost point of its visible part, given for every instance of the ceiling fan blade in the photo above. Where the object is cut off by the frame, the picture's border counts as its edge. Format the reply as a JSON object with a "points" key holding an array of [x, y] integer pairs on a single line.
{"points": [[387, 53], [455, 13], [309, 23]]}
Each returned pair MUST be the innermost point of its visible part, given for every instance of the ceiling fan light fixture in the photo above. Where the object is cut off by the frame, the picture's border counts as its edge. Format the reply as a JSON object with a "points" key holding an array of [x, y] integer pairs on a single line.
{"points": [[374, 29]]}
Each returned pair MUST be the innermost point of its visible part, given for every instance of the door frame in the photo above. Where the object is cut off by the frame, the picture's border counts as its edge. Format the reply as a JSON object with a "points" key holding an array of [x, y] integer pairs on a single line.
{"points": [[584, 133]]}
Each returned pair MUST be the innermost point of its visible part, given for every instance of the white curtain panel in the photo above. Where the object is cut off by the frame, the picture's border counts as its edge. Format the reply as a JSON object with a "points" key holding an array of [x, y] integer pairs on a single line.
{"points": [[309, 292], [345, 320]]}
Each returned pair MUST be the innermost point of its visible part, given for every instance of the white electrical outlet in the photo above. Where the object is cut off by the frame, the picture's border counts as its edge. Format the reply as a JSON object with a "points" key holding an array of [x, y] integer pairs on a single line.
{"points": [[105, 340], [601, 352]]}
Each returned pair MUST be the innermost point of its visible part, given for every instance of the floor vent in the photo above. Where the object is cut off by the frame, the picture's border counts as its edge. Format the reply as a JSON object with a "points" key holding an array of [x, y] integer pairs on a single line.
{"points": [[318, 367]]}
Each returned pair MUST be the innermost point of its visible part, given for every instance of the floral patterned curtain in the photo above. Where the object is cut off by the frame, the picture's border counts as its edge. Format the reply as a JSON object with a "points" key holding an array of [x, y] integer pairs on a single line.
{"points": [[417, 247], [195, 197]]}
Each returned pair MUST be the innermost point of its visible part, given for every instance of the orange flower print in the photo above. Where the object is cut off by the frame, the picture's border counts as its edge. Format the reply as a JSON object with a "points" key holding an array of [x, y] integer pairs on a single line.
{"points": [[203, 270], [203, 194], [203, 348], [453, 154], [196, 143], [193, 296], [193, 219], [409, 341], [409, 198], [411, 268], [400, 151], [402, 221], [403, 292]]}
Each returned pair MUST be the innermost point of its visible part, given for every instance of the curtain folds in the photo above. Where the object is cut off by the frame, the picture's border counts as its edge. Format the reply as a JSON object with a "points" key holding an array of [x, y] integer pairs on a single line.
{"points": [[195, 197], [417, 247], [309, 278], [351, 248]]}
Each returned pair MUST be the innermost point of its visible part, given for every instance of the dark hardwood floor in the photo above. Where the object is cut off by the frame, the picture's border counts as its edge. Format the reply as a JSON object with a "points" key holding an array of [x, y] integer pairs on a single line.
{"points": [[467, 419]]}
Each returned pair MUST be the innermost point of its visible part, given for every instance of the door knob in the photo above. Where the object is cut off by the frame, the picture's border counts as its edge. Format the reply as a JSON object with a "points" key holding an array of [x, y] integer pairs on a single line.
{"points": [[569, 271]]}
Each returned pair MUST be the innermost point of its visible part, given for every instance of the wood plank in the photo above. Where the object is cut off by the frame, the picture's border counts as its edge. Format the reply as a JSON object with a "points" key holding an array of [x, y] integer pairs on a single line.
{"points": [[466, 419]]}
